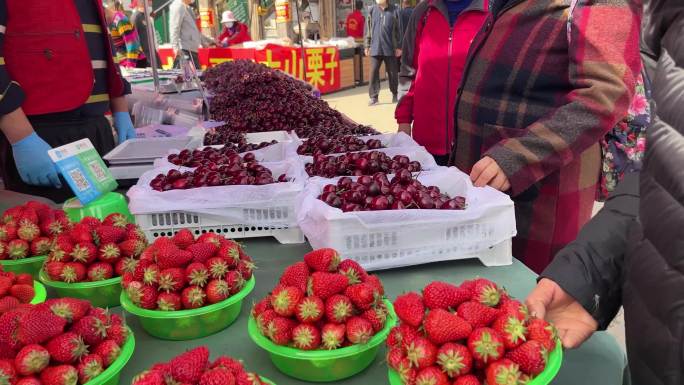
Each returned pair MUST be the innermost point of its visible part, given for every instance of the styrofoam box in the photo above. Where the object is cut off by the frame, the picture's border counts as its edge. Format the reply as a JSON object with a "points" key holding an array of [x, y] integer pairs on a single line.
{"points": [[395, 238]]}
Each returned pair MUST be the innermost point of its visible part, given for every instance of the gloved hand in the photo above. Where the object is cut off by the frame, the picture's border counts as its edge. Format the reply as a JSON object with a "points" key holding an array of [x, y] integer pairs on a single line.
{"points": [[124, 126], [33, 163]]}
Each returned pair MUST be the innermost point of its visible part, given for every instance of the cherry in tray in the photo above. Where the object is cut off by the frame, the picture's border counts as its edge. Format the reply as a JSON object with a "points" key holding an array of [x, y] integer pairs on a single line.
{"points": [[326, 145], [360, 163]]}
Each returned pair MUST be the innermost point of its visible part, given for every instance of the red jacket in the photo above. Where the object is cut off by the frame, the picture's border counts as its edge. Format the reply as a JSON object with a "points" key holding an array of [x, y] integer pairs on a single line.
{"points": [[432, 52], [355, 24], [46, 52], [238, 37]]}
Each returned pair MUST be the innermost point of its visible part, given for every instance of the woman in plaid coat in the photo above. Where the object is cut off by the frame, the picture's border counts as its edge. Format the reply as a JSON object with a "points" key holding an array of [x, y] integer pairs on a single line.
{"points": [[538, 92]]}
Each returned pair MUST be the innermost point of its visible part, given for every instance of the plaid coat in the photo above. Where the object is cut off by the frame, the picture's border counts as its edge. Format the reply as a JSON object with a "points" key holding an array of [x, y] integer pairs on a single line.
{"points": [[538, 106]]}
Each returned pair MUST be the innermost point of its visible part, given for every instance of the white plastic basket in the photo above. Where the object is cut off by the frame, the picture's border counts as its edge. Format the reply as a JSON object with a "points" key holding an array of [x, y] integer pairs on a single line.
{"points": [[418, 153], [396, 238]]}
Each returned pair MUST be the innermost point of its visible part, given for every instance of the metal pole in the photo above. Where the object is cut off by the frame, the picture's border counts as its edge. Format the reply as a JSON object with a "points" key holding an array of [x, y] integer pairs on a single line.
{"points": [[152, 42], [301, 38]]}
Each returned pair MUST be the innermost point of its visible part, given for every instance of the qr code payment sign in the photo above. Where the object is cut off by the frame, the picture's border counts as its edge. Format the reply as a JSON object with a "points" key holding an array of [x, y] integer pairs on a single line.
{"points": [[98, 171], [79, 179]]}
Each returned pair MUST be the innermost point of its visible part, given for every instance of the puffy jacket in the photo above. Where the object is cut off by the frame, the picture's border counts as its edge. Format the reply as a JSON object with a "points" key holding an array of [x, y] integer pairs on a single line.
{"points": [[240, 36], [433, 57], [630, 254]]}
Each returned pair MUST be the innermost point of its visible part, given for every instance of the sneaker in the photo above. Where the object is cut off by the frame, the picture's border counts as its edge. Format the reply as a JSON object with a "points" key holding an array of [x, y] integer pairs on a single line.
{"points": [[394, 98], [373, 102]]}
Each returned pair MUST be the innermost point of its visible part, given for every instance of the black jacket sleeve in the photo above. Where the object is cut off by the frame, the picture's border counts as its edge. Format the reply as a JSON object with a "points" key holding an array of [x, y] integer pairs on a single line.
{"points": [[590, 268]]}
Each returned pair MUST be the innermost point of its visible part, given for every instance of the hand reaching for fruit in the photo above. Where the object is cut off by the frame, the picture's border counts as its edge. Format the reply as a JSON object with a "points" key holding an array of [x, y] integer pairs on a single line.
{"points": [[486, 172], [549, 301]]}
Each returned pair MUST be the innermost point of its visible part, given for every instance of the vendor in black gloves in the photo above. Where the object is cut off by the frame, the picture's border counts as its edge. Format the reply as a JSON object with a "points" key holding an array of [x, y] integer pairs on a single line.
{"points": [[58, 80]]}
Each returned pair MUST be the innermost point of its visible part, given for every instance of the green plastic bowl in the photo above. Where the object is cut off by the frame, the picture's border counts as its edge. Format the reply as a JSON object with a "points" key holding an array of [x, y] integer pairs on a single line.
{"points": [[108, 203], [323, 365], [266, 380], [31, 265], [41, 293], [111, 375], [189, 324], [544, 378], [100, 294]]}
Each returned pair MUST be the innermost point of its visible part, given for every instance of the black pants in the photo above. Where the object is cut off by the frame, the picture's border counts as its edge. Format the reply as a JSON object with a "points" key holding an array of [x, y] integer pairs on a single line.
{"points": [[442, 160], [188, 55], [392, 68], [57, 130]]}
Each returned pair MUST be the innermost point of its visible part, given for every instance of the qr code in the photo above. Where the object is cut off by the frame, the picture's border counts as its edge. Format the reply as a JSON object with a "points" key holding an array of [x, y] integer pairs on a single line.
{"points": [[79, 179], [98, 171]]}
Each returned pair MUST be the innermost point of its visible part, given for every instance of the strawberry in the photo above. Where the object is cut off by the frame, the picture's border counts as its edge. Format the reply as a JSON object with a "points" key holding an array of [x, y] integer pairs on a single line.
{"points": [[377, 316], [225, 362], [24, 293], [118, 333], [139, 271], [143, 296], [279, 330], [73, 272], [217, 376], [468, 379], [515, 308], [5, 285], [116, 220], [67, 348], [201, 252], [442, 326], [394, 358], [503, 372], [442, 295], [531, 356], [28, 231], [477, 314], [486, 345], [511, 329], [81, 233], [359, 330], [410, 308], [150, 274], [4, 250], [89, 367], [131, 248], [90, 222], [265, 304], [108, 234], [38, 325], [354, 272], [285, 300], [31, 359], [124, 265], [306, 337], [23, 279], [8, 303], [109, 252], [296, 275], [135, 232], [310, 310], [324, 260], [217, 291], [12, 214], [218, 267], [407, 374], [333, 335], [54, 226], [54, 270], [169, 257], [421, 353], [8, 375], [362, 295], [59, 375], [9, 325], [183, 238], [210, 238], [8, 232], [235, 281], [61, 249], [150, 377], [338, 309], [109, 350], [230, 251], [264, 319], [41, 246], [246, 269], [189, 366], [197, 274], [193, 297], [84, 253], [17, 249], [246, 378], [100, 271], [542, 331], [91, 328], [28, 381], [70, 309], [325, 285], [486, 292], [431, 375], [454, 359], [172, 279], [169, 302]]}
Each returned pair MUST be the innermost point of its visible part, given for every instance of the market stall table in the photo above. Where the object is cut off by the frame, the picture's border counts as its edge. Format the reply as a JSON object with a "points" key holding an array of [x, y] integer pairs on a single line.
{"points": [[599, 361]]}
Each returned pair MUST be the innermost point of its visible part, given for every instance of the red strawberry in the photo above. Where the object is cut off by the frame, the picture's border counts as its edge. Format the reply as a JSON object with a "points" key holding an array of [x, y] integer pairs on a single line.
{"points": [[109, 234], [454, 359], [169, 302], [542, 331], [183, 238], [116, 220], [109, 350], [61, 249], [394, 358], [125, 265], [31, 359], [23, 279], [421, 353], [325, 285], [150, 377], [442, 295], [225, 362], [9, 325], [54, 226], [279, 330], [5, 285], [109, 252], [173, 258], [29, 381], [217, 376], [486, 292], [515, 308], [4, 250], [246, 378], [28, 231], [17, 249], [410, 308], [230, 251], [362, 295], [73, 272], [172, 279], [8, 303], [38, 325], [296, 275], [285, 300], [71, 309], [143, 296], [139, 271], [468, 379], [41, 246], [377, 316], [81, 233], [235, 281], [264, 319], [374, 281], [442, 327], [90, 367], [310, 310], [24, 293], [100, 271], [54, 270], [210, 238], [193, 297], [338, 309], [246, 269], [306, 337], [477, 314], [84, 252], [67, 348], [511, 329], [531, 356], [218, 267], [217, 291], [201, 252], [407, 334], [263, 305], [8, 232], [324, 260], [333, 335], [503, 372], [59, 375], [90, 222], [118, 333], [189, 366], [359, 330], [135, 232], [407, 374], [486, 345], [150, 274], [354, 272], [431, 375], [197, 274], [91, 328], [131, 248]]}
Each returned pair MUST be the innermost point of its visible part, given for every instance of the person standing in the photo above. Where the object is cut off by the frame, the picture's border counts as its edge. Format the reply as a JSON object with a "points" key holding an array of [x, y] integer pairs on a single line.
{"points": [[383, 45], [355, 22], [186, 38], [405, 13], [434, 52], [57, 92], [129, 52], [140, 24], [234, 32]]}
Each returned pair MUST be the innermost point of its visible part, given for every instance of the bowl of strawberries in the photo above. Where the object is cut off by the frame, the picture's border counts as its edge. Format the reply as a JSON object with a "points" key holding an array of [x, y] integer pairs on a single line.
{"points": [[17, 289], [26, 234], [325, 320], [470, 334], [186, 288], [88, 260], [63, 341]]}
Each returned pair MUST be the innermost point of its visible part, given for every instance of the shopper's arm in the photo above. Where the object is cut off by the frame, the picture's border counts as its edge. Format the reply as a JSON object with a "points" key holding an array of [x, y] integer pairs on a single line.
{"points": [[175, 22]]}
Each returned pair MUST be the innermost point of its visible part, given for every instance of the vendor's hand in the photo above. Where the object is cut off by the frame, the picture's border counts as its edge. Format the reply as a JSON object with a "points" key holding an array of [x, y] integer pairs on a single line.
{"points": [[405, 128], [574, 324], [366, 51], [124, 126], [33, 162], [487, 172], [397, 52]]}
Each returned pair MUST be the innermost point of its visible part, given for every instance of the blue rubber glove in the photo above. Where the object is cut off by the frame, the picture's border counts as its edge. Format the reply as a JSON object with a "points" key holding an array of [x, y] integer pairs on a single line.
{"points": [[33, 163], [124, 126]]}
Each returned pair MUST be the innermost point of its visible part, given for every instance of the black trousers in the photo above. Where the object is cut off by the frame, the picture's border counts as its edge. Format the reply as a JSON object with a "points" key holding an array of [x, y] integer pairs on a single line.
{"points": [[392, 68], [57, 130]]}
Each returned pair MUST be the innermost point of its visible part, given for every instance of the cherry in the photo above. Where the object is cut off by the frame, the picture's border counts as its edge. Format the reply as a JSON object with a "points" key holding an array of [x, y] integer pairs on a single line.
{"points": [[379, 203], [365, 180], [361, 164], [180, 184], [344, 183], [330, 188], [374, 189]]}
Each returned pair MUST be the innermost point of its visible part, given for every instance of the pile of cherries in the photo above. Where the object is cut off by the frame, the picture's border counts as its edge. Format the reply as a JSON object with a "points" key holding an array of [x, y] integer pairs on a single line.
{"points": [[326, 145], [378, 192], [233, 140], [360, 163]]}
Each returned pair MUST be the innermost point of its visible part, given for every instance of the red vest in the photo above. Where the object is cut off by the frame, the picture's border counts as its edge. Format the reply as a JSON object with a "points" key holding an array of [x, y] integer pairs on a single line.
{"points": [[47, 54]]}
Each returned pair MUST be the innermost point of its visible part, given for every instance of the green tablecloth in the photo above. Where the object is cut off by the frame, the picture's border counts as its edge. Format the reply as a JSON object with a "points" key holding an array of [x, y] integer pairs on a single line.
{"points": [[599, 361]]}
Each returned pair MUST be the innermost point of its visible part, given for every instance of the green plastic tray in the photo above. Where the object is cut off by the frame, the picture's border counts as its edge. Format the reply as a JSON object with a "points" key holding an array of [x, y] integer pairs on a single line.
{"points": [[111, 375], [41, 293], [544, 378], [266, 380], [189, 324], [100, 294], [323, 365], [109, 203], [31, 265]]}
